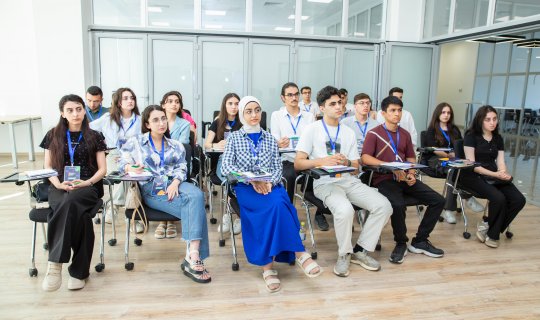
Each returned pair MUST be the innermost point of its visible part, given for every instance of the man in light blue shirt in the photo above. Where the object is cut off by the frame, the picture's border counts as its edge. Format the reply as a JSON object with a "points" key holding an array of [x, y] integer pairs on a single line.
{"points": [[361, 122]]}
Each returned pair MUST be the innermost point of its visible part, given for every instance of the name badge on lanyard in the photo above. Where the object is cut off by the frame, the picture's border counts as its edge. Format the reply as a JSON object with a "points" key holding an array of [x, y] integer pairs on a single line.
{"points": [[255, 153], [72, 172], [294, 138], [159, 186], [332, 150], [123, 140], [394, 145], [363, 132]]}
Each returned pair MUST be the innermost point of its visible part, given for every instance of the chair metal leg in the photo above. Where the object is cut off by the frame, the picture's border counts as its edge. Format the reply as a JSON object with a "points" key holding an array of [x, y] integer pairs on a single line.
{"points": [[33, 271], [310, 227], [466, 234], [112, 241], [223, 206], [101, 265], [235, 265], [45, 241], [128, 265]]}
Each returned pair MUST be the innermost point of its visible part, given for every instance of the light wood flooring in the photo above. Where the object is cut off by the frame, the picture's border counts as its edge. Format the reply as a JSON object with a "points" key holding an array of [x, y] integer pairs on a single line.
{"points": [[472, 281]]}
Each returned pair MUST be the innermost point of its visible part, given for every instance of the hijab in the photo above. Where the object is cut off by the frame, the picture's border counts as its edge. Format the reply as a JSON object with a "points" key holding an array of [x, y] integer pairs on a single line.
{"points": [[241, 107]]}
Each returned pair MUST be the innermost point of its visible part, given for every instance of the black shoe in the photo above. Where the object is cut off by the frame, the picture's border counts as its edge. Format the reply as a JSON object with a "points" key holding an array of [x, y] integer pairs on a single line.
{"points": [[322, 224], [426, 248], [399, 253]]}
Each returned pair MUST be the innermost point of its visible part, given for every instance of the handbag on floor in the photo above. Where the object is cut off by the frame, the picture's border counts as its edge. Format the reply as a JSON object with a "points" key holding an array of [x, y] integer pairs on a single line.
{"points": [[134, 202]]}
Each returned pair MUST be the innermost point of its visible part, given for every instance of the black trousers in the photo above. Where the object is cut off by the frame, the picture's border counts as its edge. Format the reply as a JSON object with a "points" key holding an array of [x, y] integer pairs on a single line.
{"points": [[396, 192], [70, 228], [290, 175], [505, 202]]}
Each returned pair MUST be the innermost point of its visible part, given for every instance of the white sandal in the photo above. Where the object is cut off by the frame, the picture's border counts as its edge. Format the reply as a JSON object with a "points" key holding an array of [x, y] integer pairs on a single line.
{"points": [[312, 265], [270, 281], [160, 231]]}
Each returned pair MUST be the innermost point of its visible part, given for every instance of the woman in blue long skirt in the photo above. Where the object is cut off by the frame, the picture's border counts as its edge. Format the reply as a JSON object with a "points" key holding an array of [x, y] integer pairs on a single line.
{"points": [[270, 224]]}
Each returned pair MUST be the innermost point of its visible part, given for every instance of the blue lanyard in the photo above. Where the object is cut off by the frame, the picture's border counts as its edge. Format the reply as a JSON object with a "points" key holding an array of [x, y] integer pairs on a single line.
{"points": [[446, 136], [231, 123], [297, 122], [394, 146], [89, 112], [332, 143], [306, 107], [130, 125], [365, 128], [255, 150], [162, 153], [71, 149]]}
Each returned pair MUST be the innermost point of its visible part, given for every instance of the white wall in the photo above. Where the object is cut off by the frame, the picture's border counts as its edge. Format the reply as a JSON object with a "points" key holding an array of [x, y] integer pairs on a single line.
{"points": [[404, 20], [41, 60], [456, 76]]}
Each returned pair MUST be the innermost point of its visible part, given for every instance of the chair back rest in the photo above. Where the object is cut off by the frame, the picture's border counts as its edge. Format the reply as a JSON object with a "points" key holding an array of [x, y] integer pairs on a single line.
{"points": [[189, 153], [423, 139], [458, 149]]}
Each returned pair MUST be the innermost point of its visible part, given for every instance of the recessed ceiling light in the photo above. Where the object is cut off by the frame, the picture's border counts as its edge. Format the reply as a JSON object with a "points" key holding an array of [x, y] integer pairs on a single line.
{"points": [[215, 12], [320, 1], [282, 29], [304, 18], [154, 9], [161, 24], [213, 26]]}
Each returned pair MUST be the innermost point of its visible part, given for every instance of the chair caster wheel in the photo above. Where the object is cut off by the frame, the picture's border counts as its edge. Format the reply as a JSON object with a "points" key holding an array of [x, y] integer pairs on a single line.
{"points": [[97, 221], [292, 263], [441, 219], [207, 206], [214, 193], [129, 266], [235, 267], [45, 246], [32, 272], [314, 255], [378, 247], [213, 220], [112, 242], [458, 210], [100, 267], [138, 242], [509, 234], [466, 235], [222, 242]]}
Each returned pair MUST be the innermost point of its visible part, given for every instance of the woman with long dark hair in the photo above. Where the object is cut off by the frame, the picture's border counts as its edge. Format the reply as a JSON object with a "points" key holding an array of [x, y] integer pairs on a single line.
{"points": [[77, 153], [165, 159], [484, 145], [227, 122], [443, 133], [122, 122], [271, 227]]}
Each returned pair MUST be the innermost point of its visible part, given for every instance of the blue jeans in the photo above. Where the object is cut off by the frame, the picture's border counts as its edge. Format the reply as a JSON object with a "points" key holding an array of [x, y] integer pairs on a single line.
{"points": [[218, 169], [188, 206]]}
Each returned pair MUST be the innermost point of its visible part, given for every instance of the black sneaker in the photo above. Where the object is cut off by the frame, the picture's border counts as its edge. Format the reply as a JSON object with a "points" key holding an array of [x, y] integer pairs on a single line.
{"points": [[322, 224], [426, 248], [399, 253]]}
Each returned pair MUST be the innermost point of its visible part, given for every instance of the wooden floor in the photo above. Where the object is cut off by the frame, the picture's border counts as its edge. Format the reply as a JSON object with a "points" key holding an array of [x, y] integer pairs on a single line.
{"points": [[472, 281]]}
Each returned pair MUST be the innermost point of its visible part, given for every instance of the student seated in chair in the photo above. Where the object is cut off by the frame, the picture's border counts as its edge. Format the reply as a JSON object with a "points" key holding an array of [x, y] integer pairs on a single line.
{"points": [[165, 159], [442, 133], [77, 153], [270, 226], [490, 179], [389, 142], [360, 122], [328, 143]]}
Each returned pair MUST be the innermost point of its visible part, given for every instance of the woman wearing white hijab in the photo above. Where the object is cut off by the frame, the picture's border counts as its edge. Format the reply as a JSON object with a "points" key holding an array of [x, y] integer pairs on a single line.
{"points": [[270, 224]]}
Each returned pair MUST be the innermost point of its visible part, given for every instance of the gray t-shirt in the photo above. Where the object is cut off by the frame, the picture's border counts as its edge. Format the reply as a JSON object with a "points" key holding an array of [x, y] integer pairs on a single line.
{"points": [[315, 142]]}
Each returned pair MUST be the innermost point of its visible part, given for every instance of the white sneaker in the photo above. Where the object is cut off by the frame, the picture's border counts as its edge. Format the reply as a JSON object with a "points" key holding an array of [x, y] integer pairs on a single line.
{"points": [[139, 227], [474, 205], [449, 216], [53, 278], [76, 284], [109, 216], [226, 224], [237, 226]]}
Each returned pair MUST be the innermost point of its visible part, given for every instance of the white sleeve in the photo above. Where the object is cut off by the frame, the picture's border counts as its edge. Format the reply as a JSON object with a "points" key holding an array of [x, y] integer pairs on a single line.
{"points": [[274, 125], [409, 126], [352, 148], [305, 143], [380, 118]]}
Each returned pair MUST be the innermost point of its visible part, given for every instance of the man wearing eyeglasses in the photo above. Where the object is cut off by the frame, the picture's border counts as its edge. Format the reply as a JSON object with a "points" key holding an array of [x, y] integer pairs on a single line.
{"points": [[308, 105], [287, 124], [361, 122]]}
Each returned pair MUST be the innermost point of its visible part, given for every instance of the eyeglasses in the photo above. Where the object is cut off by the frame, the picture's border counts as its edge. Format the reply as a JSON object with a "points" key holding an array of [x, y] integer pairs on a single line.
{"points": [[159, 120], [132, 98], [249, 112], [364, 103], [291, 95]]}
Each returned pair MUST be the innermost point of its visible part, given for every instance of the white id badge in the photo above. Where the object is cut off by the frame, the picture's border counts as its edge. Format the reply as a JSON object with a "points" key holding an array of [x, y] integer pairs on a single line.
{"points": [[360, 144], [294, 141], [159, 187], [72, 173]]}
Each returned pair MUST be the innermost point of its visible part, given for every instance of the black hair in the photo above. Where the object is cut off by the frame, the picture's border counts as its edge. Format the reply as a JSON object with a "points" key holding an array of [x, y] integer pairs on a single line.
{"points": [[145, 118], [395, 89], [343, 91], [288, 85], [390, 100], [326, 93], [477, 123], [94, 91], [305, 88]]}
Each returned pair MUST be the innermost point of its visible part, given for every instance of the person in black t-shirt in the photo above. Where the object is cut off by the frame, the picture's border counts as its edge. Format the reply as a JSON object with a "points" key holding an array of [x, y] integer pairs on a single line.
{"points": [[77, 153], [443, 133], [490, 180]]}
